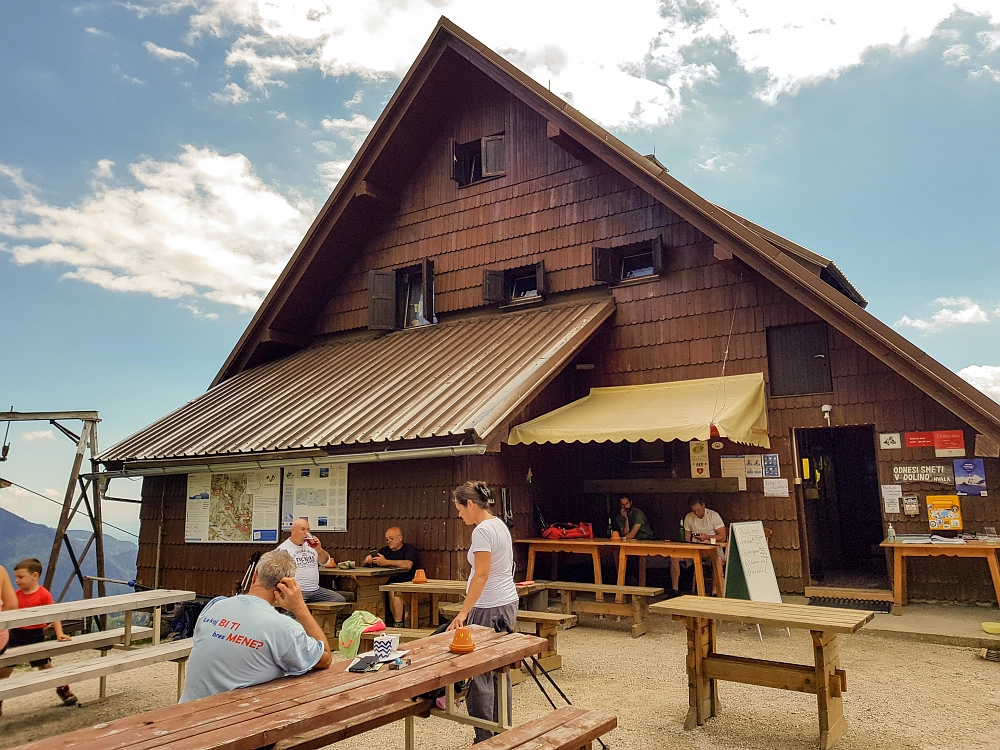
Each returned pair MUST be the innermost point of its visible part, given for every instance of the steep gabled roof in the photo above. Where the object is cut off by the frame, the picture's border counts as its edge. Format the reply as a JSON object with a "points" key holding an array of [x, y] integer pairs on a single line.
{"points": [[351, 214]]}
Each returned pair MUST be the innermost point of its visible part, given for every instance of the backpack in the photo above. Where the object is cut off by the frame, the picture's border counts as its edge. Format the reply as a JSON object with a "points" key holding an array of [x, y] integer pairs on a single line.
{"points": [[569, 531]]}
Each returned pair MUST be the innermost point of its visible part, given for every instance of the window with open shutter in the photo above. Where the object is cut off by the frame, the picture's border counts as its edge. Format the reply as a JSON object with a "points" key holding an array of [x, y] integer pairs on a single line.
{"points": [[540, 276], [494, 156], [798, 360], [483, 158], [635, 261], [602, 261], [382, 300], [493, 286], [515, 286], [427, 281]]}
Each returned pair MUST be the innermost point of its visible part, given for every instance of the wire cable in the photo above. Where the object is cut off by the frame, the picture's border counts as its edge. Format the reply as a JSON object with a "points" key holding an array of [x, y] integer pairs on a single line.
{"points": [[56, 502]]}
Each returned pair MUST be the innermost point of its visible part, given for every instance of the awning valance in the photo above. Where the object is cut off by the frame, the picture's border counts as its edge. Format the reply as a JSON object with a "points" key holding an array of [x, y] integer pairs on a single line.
{"points": [[682, 410]]}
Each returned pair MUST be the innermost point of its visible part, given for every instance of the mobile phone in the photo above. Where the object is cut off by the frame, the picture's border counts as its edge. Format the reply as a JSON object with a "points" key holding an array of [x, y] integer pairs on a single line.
{"points": [[374, 553]]}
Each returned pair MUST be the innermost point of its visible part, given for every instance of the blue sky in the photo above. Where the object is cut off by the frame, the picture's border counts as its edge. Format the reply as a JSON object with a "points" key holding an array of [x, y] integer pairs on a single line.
{"points": [[160, 159]]}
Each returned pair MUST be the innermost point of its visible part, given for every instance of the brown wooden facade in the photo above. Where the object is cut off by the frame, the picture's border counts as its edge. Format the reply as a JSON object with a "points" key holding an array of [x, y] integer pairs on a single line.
{"points": [[706, 311]]}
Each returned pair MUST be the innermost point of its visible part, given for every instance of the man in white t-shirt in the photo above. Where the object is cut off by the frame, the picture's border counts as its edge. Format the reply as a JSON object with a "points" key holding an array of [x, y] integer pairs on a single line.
{"points": [[308, 553], [700, 525]]}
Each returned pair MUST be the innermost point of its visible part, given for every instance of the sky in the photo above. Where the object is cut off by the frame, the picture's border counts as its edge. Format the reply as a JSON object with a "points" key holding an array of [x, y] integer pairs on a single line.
{"points": [[161, 159]]}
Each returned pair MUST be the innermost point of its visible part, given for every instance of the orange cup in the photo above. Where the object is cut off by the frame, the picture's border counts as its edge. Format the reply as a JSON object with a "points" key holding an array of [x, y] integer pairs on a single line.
{"points": [[420, 576], [615, 536], [462, 642]]}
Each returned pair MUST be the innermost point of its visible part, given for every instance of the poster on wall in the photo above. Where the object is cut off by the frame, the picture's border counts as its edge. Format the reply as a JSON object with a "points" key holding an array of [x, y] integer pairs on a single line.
{"points": [[236, 507], [944, 512], [771, 467], [318, 494], [935, 473], [699, 459], [892, 494], [755, 466], [970, 476], [735, 466]]}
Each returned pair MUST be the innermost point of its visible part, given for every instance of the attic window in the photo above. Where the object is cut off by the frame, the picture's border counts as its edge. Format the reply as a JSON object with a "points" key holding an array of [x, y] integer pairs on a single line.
{"points": [[403, 298], [478, 160], [515, 286], [633, 262]]}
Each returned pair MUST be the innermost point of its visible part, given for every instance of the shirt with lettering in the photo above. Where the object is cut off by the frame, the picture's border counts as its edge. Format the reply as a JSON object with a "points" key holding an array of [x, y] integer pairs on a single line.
{"points": [[241, 641], [306, 564]]}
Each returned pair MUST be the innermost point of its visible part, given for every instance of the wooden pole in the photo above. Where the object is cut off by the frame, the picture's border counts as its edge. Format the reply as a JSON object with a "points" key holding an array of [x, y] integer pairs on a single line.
{"points": [[97, 518]]}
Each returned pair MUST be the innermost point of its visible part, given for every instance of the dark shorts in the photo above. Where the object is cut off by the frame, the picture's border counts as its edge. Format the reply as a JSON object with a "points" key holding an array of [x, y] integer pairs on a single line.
{"points": [[29, 637]]}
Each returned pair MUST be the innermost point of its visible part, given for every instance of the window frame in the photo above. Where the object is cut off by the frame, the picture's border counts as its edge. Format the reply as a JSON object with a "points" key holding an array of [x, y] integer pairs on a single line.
{"points": [[385, 288], [607, 262], [800, 353], [498, 284], [491, 153]]}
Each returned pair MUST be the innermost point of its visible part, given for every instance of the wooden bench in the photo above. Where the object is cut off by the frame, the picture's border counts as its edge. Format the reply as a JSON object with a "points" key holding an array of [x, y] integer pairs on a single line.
{"points": [[825, 679], [319, 738], [326, 613], [637, 608], [101, 640], [567, 728], [177, 651]]}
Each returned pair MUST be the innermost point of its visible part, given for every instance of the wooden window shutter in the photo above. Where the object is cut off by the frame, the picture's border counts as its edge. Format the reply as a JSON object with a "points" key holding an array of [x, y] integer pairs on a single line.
{"points": [[493, 290], [798, 360], [494, 155], [427, 279], [454, 160], [540, 277], [602, 265], [659, 259], [382, 300]]}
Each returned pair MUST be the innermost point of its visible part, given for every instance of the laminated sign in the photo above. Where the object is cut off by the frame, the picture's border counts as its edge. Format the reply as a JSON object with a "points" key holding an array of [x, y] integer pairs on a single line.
{"points": [[910, 473], [944, 512], [699, 459]]}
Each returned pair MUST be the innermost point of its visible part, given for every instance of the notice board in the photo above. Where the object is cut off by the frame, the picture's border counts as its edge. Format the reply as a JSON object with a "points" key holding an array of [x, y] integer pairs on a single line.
{"points": [[749, 570], [236, 507], [318, 494]]}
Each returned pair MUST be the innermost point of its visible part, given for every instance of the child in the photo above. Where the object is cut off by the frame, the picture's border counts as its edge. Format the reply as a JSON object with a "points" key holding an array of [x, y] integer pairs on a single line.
{"points": [[31, 594]]}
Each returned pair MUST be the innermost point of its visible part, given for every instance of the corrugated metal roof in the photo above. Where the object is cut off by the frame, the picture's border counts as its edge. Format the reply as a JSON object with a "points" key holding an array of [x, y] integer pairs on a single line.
{"points": [[434, 381]]}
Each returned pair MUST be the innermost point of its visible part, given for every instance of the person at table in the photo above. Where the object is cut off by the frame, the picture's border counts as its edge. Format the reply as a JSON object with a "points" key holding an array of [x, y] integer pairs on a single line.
{"points": [[8, 601], [491, 594], [308, 553], [631, 523], [242, 640], [402, 558], [700, 525]]}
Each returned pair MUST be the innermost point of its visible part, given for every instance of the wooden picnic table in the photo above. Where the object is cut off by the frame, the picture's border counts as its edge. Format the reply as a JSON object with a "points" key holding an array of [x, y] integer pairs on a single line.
{"points": [[903, 550], [705, 665], [364, 583], [438, 587], [630, 547], [288, 707]]}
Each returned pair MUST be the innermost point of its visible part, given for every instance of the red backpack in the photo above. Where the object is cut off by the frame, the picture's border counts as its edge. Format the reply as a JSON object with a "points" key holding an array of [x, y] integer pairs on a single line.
{"points": [[569, 531]]}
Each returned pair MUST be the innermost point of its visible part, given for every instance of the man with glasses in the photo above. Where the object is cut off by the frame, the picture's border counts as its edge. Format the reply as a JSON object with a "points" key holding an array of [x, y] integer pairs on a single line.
{"points": [[403, 558]]}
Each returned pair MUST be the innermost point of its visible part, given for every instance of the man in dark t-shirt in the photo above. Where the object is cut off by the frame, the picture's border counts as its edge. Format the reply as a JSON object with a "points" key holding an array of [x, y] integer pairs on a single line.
{"points": [[403, 557]]}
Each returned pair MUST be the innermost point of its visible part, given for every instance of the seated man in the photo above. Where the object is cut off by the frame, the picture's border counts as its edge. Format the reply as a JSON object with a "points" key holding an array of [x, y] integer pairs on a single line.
{"points": [[242, 640], [631, 523], [400, 556], [308, 553], [700, 525]]}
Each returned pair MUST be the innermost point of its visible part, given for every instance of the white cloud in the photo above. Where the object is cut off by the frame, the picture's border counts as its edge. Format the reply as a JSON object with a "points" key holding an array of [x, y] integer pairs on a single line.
{"points": [[953, 311], [199, 313], [103, 170], [97, 32], [201, 226], [163, 53], [985, 377], [355, 100], [956, 53], [354, 131], [713, 159], [133, 79], [331, 172], [990, 40], [232, 93], [987, 71], [628, 67], [33, 435]]}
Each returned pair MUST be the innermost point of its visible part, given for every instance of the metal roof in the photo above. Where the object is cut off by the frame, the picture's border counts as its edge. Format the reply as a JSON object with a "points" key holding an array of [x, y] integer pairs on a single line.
{"points": [[437, 380]]}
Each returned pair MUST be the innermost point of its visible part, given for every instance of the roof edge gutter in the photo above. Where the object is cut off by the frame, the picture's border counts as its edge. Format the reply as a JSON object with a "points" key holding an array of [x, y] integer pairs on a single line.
{"points": [[408, 454]]}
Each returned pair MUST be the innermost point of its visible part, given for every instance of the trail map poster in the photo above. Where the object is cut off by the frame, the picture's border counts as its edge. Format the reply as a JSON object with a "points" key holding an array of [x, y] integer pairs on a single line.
{"points": [[233, 507], [318, 494]]}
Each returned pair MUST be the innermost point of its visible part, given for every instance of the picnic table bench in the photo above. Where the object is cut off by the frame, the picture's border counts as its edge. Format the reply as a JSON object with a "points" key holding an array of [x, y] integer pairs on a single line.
{"points": [[101, 640], [566, 728], [825, 679], [637, 608], [439, 587], [326, 613], [363, 582], [302, 708]]}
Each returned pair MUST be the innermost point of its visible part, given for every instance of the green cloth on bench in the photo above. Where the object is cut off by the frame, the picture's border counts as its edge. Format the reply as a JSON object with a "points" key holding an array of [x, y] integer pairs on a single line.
{"points": [[354, 626]]}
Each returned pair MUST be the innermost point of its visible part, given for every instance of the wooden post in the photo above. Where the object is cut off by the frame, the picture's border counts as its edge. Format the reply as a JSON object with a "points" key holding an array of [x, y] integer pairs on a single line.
{"points": [[503, 697], [97, 517], [128, 628], [156, 626], [701, 690], [699, 575], [832, 724], [991, 559], [181, 676], [596, 554], [409, 733], [622, 568], [530, 572], [66, 514], [898, 580]]}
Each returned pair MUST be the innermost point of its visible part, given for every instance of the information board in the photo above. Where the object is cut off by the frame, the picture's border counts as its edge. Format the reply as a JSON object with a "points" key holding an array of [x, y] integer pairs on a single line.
{"points": [[236, 507], [749, 570], [318, 494]]}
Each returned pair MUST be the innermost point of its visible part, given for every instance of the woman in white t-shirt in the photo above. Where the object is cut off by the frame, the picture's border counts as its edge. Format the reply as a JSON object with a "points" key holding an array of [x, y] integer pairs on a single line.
{"points": [[491, 593]]}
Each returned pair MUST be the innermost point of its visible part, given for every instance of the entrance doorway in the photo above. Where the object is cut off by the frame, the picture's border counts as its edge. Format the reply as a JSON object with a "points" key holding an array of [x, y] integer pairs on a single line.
{"points": [[843, 507]]}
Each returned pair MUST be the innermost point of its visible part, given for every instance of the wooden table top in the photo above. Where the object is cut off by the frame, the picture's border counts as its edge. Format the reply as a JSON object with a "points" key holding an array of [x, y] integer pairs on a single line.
{"points": [[447, 586], [975, 544], [359, 572], [261, 715], [601, 542], [19, 618], [828, 619]]}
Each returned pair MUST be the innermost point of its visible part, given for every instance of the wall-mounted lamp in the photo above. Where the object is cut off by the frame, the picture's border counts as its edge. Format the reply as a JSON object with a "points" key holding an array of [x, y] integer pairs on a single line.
{"points": [[826, 409]]}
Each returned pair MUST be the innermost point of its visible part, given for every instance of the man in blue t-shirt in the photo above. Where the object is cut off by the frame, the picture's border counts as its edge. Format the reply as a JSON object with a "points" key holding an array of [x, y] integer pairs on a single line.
{"points": [[242, 640]]}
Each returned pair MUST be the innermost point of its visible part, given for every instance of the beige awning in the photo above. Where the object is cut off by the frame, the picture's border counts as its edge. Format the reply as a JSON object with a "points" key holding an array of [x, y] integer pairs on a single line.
{"points": [[683, 410]]}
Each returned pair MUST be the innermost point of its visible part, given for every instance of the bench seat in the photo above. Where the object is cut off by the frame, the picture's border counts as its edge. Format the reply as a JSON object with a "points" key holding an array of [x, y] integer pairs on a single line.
{"points": [[567, 728], [319, 738], [326, 614], [37, 680], [637, 608], [102, 639]]}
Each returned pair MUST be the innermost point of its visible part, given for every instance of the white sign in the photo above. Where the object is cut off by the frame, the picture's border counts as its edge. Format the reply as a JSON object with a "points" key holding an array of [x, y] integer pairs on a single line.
{"points": [[233, 507], [911, 505], [699, 459], [776, 487], [889, 440], [755, 466], [318, 494], [735, 466], [892, 494], [755, 559]]}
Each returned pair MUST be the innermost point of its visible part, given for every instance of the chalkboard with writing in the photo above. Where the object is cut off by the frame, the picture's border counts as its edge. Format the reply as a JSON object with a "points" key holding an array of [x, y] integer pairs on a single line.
{"points": [[749, 571]]}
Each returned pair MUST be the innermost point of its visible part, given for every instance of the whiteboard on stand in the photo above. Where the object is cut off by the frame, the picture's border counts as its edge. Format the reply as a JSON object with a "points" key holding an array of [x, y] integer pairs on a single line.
{"points": [[749, 570]]}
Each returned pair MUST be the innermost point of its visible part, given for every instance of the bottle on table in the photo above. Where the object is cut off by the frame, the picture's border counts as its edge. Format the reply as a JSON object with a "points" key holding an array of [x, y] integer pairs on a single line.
{"points": [[683, 535], [890, 535]]}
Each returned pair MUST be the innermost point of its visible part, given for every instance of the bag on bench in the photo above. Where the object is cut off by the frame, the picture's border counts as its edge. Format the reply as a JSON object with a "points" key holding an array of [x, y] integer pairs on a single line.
{"points": [[569, 531]]}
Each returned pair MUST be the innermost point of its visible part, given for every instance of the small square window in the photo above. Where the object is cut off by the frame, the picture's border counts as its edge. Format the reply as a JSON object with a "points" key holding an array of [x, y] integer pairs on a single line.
{"points": [[636, 266], [646, 453], [402, 298], [478, 160], [632, 262], [524, 287], [515, 286], [411, 299]]}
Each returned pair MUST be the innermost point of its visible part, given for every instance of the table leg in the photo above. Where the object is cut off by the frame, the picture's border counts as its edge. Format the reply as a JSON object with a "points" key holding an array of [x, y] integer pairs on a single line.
{"points": [[181, 676], [898, 580], [435, 617], [642, 570], [622, 565], [414, 611], [596, 555], [128, 628], [991, 559], [157, 616], [502, 677], [718, 576], [832, 723], [409, 733], [530, 573], [701, 690], [699, 576], [640, 616]]}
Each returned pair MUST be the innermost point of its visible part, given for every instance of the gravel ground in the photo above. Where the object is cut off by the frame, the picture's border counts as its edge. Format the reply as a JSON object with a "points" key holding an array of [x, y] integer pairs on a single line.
{"points": [[901, 695]]}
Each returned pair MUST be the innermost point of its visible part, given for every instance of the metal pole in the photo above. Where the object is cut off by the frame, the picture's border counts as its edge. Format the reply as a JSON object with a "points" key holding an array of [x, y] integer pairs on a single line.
{"points": [[98, 517], [64, 517]]}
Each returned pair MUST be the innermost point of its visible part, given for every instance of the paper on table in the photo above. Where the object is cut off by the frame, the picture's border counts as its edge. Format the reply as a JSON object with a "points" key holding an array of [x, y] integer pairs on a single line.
{"points": [[391, 657]]}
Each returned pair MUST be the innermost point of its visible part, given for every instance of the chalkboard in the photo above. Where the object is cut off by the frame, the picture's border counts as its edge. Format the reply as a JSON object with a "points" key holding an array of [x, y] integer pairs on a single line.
{"points": [[749, 571]]}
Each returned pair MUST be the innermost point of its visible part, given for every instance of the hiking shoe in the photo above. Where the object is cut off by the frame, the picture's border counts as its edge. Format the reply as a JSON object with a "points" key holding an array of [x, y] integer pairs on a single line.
{"points": [[66, 695]]}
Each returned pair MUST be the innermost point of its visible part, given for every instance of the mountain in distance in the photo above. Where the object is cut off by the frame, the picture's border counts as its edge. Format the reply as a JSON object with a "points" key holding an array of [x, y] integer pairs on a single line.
{"points": [[20, 538]]}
